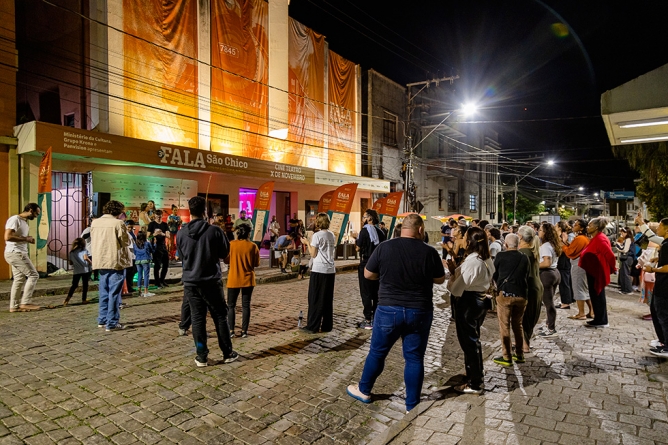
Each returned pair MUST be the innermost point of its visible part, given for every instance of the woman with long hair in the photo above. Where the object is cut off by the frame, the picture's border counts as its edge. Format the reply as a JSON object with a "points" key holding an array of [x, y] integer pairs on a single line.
{"points": [[530, 246], [244, 257], [82, 270], [468, 284], [572, 250], [456, 249], [322, 248], [565, 234], [144, 218], [550, 249], [626, 250]]}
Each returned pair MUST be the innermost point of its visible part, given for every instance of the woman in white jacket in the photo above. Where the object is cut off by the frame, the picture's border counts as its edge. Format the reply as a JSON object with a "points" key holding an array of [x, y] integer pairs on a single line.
{"points": [[468, 285]]}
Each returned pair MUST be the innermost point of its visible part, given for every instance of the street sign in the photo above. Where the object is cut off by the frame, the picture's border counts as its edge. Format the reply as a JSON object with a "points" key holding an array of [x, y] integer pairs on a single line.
{"points": [[618, 195]]}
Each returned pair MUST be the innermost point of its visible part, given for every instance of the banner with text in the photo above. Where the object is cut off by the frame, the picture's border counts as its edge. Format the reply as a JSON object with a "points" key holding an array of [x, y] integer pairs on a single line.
{"points": [[339, 209], [342, 103], [325, 201], [261, 210], [387, 209], [306, 109], [44, 199], [239, 76]]}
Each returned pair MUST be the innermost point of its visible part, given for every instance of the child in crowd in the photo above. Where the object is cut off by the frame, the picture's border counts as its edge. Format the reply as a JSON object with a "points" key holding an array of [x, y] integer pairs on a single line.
{"points": [[79, 257], [143, 256]]}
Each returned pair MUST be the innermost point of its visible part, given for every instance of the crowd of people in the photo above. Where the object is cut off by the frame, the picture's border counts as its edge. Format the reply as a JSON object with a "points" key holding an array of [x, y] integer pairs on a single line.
{"points": [[512, 270]]}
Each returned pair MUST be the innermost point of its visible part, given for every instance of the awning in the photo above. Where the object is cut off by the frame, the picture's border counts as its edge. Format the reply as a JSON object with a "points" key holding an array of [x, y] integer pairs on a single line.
{"points": [[637, 111], [73, 143]]}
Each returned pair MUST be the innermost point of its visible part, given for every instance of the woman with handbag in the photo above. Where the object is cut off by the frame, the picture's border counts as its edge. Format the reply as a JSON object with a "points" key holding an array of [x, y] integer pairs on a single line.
{"points": [[626, 254], [530, 246], [469, 284], [510, 275]]}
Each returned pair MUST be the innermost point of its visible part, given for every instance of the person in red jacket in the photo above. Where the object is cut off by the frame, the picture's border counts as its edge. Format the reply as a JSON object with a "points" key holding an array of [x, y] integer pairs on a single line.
{"points": [[599, 262]]}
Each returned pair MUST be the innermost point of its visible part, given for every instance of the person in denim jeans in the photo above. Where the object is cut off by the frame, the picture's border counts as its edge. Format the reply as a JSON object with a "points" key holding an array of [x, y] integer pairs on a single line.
{"points": [[407, 269], [143, 255], [110, 244]]}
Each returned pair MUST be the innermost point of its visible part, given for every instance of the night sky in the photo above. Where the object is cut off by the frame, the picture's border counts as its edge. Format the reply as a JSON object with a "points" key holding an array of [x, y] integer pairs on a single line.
{"points": [[537, 68]]}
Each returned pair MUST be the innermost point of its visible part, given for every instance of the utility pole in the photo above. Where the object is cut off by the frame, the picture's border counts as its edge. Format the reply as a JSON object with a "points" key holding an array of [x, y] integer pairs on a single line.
{"points": [[515, 203], [410, 201]]}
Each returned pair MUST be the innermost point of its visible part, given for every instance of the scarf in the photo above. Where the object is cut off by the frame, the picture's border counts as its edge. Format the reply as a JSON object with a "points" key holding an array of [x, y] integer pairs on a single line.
{"points": [[372, 234], [598, 261]]}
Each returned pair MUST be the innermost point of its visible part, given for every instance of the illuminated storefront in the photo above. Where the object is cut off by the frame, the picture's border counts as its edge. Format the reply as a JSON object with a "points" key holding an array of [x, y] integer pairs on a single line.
{"points": [[134, 171]]}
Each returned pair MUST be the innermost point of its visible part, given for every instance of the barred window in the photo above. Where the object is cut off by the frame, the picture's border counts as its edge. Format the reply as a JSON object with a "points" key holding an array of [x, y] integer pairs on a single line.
{"points": [[390, 129]]}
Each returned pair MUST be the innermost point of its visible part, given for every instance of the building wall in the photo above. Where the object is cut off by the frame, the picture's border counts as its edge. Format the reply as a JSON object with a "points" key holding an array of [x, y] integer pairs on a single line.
{"points": [[8, 158], [384, 95]]}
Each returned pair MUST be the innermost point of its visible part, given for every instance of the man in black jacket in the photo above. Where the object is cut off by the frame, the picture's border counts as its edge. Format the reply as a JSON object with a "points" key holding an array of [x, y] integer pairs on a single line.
{"points": [[201, 246], [367, 240]]}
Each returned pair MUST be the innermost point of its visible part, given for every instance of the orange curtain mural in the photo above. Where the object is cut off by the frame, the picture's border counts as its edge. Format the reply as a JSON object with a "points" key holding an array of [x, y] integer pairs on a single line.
{"points": [[342, 86], [306, 110], [160, 78], [239, 75]]}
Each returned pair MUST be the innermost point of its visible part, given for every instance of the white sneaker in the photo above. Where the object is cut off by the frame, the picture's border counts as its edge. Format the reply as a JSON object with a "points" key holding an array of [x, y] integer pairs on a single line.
{"points": [[149, 294], [655, 343]]}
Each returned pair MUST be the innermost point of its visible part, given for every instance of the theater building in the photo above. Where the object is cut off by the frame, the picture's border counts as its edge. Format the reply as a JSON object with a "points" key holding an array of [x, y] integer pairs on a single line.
{"points": [[166, 100]]}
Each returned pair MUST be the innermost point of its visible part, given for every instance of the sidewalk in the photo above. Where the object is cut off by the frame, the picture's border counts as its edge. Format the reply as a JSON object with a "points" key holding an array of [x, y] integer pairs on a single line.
{"points": [[60, 284]]}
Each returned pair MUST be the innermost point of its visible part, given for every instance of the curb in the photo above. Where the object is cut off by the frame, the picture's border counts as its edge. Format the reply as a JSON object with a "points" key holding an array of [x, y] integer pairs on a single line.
{"points": [[60, 289], [397, 428]]}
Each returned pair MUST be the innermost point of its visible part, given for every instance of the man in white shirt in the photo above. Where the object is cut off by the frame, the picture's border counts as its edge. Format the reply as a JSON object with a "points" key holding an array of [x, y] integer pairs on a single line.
{"points": [[16, 255]]}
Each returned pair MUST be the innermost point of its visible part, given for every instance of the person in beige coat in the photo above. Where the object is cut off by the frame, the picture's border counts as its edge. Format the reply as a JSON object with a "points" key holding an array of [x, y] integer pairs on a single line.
{"points": [[110, 245]]}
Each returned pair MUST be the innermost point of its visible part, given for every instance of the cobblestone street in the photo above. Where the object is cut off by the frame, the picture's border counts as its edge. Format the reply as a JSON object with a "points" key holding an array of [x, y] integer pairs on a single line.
{"points": [[63, 380]]}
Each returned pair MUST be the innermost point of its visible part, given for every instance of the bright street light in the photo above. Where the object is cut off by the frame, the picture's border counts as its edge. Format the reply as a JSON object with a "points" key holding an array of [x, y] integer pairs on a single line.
{"points": [[581, 188], [517, 181], [469, 108]]}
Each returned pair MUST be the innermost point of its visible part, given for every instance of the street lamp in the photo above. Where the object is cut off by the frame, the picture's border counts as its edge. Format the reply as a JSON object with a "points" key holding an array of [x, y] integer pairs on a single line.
{"points": [[549, 163], [466, 109]]}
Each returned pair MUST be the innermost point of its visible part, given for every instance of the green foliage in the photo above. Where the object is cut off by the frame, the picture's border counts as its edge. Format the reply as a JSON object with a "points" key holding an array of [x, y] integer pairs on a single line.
{"points": [[651, 161], [656, 199], [526, 208], [565, 213]]}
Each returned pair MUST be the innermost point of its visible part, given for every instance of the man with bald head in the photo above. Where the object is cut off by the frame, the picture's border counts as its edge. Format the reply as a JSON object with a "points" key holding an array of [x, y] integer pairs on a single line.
{"points": [[407, 269], [511, 274]]}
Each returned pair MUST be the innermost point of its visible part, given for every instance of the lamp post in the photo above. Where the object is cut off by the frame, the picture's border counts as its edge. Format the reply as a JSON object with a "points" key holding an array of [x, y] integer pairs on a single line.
{"points": [[409, 184], [550, 163]]}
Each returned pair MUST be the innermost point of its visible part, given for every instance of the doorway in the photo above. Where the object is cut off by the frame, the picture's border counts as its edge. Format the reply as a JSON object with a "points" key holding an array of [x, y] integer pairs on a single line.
{"points": [[216, 204], [283, 210]]}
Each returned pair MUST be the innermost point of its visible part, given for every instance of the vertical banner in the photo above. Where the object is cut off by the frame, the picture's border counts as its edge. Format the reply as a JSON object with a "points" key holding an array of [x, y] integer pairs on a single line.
{"points": [[306, 109], [342, 104], [160, 71], [339, 209], [388, 208], [261, 210], [239, 77], [44, 200], [325, 201]]}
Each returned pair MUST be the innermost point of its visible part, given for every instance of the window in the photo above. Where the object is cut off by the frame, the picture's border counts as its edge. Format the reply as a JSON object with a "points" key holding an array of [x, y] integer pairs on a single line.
{"points": [[389, 129], [452, 201], [68, 120], [440, 199], [472, 203]]}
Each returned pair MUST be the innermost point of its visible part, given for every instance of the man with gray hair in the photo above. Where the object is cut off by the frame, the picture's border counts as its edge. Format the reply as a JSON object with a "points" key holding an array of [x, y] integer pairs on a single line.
{"points": [[511, 274]]}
